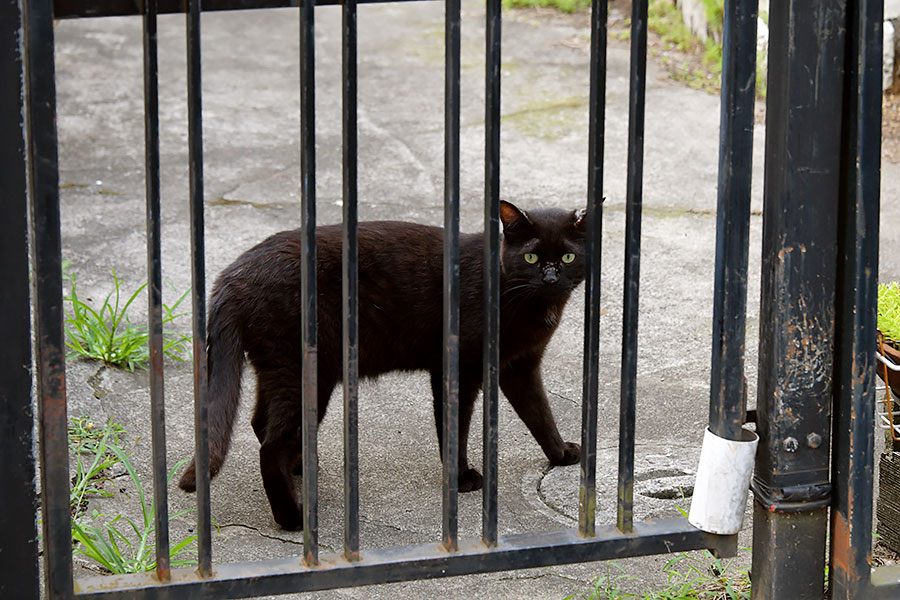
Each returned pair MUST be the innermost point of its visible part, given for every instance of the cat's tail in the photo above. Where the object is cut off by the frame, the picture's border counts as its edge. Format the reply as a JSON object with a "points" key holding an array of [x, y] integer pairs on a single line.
{"points": [[225, 362]]}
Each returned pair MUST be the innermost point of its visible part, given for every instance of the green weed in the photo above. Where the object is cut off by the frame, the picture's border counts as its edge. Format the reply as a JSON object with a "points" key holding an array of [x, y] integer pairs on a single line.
{"points": [[85, 436], [107, 334], [707, 577], [85, 439], [567, 6], [120, 545], [665, 19], [688, 578], [606, 587]]}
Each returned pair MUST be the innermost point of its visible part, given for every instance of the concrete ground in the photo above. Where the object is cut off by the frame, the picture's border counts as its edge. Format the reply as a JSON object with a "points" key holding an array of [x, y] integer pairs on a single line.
{"points": [[250, 123]]}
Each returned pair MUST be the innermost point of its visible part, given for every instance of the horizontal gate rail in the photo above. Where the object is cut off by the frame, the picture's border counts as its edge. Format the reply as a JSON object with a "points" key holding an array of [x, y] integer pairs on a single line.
{"points": [[73, 9], [421, 561]]}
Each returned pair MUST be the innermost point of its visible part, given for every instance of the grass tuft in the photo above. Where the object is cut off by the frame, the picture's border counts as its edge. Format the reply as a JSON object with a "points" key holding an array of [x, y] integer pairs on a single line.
{"points": [[567, 6], [108, 335], [117, 543], [88, 440], [688, 577]]}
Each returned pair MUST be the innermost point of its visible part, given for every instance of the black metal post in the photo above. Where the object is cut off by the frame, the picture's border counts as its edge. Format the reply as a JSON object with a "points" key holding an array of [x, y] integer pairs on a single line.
{"points": [[451, 276], [154, 291], [198, 289], [492, 270], [633, 203], [726, 391], [48, 315], [797, 315], [308, 337], [587, 492], [350, 286], [19, 576], [856, 316]]}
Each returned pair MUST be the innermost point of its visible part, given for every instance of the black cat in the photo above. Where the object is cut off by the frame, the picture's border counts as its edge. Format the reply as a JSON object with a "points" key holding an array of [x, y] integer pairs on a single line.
{"points": [[255, 308]]}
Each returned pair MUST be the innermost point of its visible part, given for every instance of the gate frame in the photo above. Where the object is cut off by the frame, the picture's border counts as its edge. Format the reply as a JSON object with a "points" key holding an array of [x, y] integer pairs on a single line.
{"points": [[855, 258]]}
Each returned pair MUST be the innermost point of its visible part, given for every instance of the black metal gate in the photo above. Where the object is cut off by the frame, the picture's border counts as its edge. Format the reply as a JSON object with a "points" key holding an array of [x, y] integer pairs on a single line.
{"points": [[821, 192]]}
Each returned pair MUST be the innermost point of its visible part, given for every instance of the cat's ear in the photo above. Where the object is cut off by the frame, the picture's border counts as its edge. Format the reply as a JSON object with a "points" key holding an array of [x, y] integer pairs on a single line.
{"points": [[581, 219], [580, 216], [514, 221]]}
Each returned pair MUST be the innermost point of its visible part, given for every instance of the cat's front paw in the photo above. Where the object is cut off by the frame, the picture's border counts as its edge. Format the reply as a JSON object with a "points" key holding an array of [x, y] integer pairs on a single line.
{"points": [[570, 456], [470, 480]]}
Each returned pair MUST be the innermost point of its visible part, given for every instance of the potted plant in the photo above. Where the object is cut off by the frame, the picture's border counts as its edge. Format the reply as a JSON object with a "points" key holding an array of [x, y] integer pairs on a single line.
{"points": [[888, 345], [889, 332]]}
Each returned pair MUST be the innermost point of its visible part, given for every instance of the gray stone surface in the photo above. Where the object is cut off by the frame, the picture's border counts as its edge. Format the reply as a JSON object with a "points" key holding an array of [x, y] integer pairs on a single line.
{"points": [[250, 124]]}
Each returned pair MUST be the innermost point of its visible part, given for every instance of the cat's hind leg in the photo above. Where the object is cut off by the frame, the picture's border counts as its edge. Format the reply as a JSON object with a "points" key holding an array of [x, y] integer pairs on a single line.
{"points": [[259, 419], [325, 386], [279, 397]]}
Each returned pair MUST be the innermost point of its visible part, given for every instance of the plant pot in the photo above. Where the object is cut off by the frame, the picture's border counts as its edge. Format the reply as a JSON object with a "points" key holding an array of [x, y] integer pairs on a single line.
{"points": [[892, 355]]}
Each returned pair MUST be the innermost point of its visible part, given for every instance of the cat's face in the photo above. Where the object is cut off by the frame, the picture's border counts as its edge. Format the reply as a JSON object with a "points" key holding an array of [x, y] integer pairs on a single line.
{"points": [[543, 250]]}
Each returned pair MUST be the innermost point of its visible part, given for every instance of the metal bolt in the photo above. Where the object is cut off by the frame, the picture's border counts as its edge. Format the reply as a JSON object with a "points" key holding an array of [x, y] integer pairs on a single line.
{"points": [[790, 444], [814, 440]]}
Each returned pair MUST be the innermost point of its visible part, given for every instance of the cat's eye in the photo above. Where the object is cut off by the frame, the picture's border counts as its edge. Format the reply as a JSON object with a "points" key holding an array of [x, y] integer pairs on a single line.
{"points": [[568, 257], [531, 258]]}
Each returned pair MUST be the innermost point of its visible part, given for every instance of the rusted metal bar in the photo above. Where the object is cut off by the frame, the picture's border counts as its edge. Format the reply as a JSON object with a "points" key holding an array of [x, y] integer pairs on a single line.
{"points": [[308, 338], [350, 285], [48, 314], [19, 575], [451, 276], [198, 289], [491, 376], [424, 561], [797, 316], [726, 401], [633, 203], [856, 316], [587, 493], [154, 290]]}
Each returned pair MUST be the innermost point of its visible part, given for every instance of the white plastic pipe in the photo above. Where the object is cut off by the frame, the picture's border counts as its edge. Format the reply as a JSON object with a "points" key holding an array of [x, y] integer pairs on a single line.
{"points": [[722, 484]]}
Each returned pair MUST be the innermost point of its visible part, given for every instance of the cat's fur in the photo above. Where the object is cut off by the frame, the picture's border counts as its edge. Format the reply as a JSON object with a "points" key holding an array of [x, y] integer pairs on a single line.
{"points": [[255, 309]]}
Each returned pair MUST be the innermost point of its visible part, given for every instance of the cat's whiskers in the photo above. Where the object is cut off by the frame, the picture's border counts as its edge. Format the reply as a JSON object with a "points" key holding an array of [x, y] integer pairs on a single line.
{"points": [[520, 293]]}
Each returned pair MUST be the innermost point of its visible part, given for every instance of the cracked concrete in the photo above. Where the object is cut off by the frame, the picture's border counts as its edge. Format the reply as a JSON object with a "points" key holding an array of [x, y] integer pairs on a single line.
{"points": [[251, 109]]}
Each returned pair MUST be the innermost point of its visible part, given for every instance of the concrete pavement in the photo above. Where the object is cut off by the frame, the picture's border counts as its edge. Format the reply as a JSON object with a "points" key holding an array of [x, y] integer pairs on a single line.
{"points": [[250, 122]]}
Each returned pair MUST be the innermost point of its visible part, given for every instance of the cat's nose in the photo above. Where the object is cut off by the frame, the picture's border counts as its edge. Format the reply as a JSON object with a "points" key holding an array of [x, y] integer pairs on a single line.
{"points": [[550, 275]]}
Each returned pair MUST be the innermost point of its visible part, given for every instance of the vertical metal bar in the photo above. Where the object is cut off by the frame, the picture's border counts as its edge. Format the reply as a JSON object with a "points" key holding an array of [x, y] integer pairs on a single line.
{"points": [[587, 493], [491, 375], [854, 448], [154, 290], [19, 577], [451, 276], [632, 264], [350, 287], [726, 393], [198, 289], [797, 312], [48, 314], [308, 282]]}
